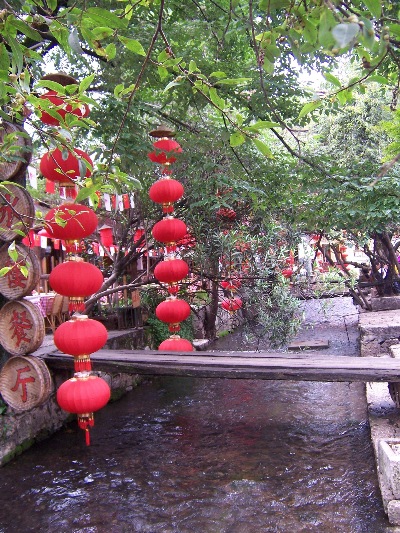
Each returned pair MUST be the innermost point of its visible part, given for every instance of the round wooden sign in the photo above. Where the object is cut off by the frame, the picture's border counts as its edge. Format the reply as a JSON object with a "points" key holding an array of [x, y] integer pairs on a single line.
{"points": [[17, 211], [14, 284], [25, 382], [21, 327], [20, 150]]}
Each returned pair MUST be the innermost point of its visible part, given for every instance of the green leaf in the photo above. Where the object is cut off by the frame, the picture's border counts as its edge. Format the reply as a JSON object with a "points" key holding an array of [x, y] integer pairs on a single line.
{"points": [[4, 59], [4, 271], [102, 32], [345, 33], [332, 79], [218, 74], [104, 17], [216, 100], [133, 45], [192, 66], [24, 28], [52, 85], [309, 107], [326, 23], [378, 79], [162, 72], [236, 139], [374, 7], [17, 54], [230, 81], [111, 51], [173, 83], [263, 148], [395, 29], [86, 82], [24, 270], [12, 252]]}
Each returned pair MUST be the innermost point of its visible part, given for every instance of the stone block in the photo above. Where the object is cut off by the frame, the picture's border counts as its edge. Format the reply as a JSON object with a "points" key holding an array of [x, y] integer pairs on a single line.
{"points": [[389, 464], [393, 512], [385, 303]]}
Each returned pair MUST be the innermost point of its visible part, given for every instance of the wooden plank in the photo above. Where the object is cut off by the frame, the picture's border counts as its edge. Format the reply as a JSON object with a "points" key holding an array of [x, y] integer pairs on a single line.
{"points": [[308, 345], [242, 365]]}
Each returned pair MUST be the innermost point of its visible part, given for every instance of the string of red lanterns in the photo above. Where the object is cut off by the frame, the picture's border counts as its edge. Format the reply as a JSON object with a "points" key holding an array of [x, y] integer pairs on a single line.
{"points": [[169, 231], [76, 279]]}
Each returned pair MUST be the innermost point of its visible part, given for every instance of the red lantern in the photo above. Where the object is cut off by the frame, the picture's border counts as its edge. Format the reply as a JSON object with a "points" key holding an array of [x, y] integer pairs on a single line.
{"points": [[169, 230], [77, 280], [166, 191], [231, 285], [232, 304], [80, 337], [172, 311], [161, 158], [60, 106], [168, 145], [176, 344], [83, 395], [63, 166], [171, 270], [71, 222], [106, 236]]}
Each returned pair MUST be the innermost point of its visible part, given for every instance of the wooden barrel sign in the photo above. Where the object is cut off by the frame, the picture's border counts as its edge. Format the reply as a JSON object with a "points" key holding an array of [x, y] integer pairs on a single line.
{"points": [[20, 152], [14, 284], [17, 211], [22, 327], [25, 382]]}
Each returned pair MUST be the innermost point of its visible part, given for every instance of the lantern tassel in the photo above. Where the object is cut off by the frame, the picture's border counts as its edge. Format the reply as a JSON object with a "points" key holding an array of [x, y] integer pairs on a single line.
{"points": [[87, 436]]}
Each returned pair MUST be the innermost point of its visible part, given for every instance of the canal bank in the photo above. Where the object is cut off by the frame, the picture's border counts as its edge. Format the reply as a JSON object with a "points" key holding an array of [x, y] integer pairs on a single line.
{"points": [[336, 323]]}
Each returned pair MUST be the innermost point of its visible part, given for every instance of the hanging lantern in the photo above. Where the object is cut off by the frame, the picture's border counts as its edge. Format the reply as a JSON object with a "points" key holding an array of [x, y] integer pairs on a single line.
{"points": [[77, 280], [232, 304], [106, 236], [166, 191], [80, 336], [231, 285], [60, 106], [83, 395], [168, 231], [172, 311], [161, 158], [176, 344], [171, 270], [168, 145], [64, 167], [71, 222]]}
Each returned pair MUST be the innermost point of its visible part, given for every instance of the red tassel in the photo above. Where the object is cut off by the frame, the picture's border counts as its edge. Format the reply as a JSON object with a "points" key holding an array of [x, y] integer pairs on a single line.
{"points": [[87, 436]]}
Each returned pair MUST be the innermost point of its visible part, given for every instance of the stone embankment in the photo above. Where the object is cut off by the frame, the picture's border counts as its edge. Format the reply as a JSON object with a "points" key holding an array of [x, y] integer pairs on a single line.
{"points": [[380, 337], [19, 430]]}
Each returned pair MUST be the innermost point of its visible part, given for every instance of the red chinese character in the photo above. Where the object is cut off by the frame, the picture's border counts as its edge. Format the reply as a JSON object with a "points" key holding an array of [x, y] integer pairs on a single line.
{"points": [[23, 381], [7, 211], [19, 323], [15, 277]]}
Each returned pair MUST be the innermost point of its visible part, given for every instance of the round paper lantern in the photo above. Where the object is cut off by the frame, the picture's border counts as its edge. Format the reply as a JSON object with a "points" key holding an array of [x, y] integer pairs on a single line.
{"points": [[71, 222], [64, 166], [83, 395], [166, 191], [172, 311], [176, 344], [77, 280], [169, 230], [232, 304], [168, 145], [59, 105], [80, 337], [171, 270]]}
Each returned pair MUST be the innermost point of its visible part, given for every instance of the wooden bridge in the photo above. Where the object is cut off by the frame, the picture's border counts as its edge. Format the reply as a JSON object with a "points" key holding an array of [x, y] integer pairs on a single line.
{"points": [[303, 366]]}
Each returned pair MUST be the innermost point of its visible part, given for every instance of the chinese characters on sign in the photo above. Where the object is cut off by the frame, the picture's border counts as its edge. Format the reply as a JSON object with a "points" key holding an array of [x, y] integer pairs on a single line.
{"points": [[20, 381], [20, 325]]}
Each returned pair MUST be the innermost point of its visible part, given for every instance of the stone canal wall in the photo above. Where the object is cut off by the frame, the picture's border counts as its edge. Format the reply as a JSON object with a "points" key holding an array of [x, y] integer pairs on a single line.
{"points": [[19, 430]]}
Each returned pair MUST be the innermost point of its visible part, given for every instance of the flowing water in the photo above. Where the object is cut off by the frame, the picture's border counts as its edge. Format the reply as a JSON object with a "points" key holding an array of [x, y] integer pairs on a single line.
{"points": [[180, 455]]}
